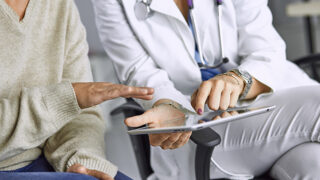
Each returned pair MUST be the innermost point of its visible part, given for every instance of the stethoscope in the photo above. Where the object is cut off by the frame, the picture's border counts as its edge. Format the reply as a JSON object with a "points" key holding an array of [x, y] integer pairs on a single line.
{"points": [[143, 12]]}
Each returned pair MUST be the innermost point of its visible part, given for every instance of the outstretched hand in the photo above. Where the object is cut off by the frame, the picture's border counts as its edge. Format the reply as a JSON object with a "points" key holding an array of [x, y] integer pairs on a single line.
{"points": [[80, 169], [91, 94]]}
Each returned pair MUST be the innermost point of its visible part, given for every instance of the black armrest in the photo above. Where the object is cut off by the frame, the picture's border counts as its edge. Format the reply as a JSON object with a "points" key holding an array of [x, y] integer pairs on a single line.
{"points": [[130, 105], [206, 137], [308, 59], [206, 140], [312, 61]]}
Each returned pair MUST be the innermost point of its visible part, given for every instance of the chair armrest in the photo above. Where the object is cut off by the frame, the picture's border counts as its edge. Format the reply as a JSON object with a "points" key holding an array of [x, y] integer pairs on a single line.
{"points": [[206, 137], [308, 59], [312, 62], [130, 105], [206, 140]]}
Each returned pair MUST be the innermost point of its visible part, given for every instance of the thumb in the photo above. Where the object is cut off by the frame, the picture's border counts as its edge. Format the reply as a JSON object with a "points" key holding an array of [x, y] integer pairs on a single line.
{"points": [[77, 168], [140, 120]]}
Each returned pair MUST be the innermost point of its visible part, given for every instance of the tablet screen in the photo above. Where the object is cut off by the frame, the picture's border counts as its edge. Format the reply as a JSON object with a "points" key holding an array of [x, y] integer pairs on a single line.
{"points": [[190, 120]]}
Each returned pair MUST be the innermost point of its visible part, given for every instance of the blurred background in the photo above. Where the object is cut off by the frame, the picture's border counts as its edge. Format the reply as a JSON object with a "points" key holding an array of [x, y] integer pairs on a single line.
{"points": [[118, 146]]}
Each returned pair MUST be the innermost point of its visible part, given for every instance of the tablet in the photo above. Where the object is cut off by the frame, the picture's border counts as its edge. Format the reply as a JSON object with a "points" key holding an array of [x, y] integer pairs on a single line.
{"points": [[194, 122]]}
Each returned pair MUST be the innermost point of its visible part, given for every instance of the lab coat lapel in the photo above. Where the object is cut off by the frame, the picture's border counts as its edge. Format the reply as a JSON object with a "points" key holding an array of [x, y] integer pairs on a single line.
{"points": [[169, 8], [176, 21]]}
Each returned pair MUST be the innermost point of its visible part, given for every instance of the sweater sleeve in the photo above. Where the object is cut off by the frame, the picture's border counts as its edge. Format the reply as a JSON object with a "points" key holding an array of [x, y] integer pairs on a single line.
{"points": [[26, 121], [81, 141]]}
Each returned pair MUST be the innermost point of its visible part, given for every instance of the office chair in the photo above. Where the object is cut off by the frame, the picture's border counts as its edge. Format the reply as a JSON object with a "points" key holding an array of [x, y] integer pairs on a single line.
{"points": [[205, 139]]}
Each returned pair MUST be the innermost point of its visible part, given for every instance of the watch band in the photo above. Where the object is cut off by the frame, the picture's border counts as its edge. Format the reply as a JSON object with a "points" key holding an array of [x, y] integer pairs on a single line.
{"points": [[247, 79]]}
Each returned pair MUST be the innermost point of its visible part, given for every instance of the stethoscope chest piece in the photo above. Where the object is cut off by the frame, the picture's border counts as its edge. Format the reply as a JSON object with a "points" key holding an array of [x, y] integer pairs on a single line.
{"points": [[142, 10]]}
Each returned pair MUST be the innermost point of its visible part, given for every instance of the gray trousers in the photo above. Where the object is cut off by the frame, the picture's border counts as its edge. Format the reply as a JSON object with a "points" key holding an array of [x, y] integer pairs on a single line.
{"points": [[283, 142]]}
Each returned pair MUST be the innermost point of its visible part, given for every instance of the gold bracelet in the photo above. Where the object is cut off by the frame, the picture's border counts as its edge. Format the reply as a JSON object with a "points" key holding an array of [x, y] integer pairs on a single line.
{"points": [[231, 75]]}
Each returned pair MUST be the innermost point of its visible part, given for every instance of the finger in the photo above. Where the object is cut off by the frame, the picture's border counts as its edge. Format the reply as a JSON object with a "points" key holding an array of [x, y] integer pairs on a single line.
{"points": [[144, 97], [170, 141], [215, 95], [118, 90], [77, 168], [225, 99], [234, 99], [193, 100], [135, 91], [140, 120], [158, 139], [201, 121], [99, 175], [202, 96], [234, 113], [225, 114], [216, 117], [187, 139], [184, 138]]}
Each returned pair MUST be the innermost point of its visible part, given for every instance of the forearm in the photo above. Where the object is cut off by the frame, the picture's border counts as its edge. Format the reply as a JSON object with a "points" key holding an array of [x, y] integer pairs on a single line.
{"points": [[256, 89], [80, 142]]}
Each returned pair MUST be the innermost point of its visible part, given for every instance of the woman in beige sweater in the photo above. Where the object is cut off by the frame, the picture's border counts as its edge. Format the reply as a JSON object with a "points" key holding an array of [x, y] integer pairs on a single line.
{"points": [[43, 52]]}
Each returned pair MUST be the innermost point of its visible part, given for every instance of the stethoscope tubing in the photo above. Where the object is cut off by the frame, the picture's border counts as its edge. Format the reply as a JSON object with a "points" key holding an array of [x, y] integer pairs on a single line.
{"points": [[202, 64], [196, 34]]}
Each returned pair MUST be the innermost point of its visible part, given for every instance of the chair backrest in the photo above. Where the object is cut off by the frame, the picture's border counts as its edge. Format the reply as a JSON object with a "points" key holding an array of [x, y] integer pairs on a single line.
{"points": [[311, 65]]}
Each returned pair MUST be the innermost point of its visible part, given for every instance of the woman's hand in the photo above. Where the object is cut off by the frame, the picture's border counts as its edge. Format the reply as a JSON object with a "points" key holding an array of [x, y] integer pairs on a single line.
{"points": [[219, 92], [91, 94], [78, 168], [158, 117], [223, 91]]}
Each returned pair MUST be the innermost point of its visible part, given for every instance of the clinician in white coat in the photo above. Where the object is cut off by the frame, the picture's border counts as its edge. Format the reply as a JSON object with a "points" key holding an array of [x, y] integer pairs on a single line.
{"points": [[159, 51]]}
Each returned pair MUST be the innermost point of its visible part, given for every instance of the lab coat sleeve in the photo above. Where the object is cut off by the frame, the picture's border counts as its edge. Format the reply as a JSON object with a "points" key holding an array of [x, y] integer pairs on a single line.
{"points": [[261, 49], [132, 63]]}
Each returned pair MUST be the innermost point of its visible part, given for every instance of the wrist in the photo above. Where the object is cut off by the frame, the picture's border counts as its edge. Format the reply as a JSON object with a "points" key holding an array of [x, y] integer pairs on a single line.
{"points": [[167, 102], [247, 80], [240, 80], [173, 104]]}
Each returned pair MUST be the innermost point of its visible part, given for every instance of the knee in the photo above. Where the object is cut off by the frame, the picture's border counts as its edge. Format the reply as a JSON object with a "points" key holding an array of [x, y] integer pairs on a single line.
{"points": [[301, 162]]}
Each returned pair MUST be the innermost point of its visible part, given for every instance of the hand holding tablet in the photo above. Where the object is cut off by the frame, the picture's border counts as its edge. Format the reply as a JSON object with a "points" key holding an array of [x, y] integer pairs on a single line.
{"points": [[194, 122]]}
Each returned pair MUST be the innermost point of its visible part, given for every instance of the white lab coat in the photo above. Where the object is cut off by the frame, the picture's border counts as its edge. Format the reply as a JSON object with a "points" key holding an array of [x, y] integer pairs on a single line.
{"points": [[159, 52]]}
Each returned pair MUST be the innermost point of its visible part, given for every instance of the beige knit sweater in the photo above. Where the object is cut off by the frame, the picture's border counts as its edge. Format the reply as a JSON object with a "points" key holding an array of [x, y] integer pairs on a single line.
{"points": [[39, 57]]}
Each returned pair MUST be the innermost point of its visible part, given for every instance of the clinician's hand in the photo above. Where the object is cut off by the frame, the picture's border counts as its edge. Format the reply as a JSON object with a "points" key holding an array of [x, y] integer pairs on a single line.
{"points": [[223, 91], [219, 92], [78, 168], [154, 118], [94, 93]]}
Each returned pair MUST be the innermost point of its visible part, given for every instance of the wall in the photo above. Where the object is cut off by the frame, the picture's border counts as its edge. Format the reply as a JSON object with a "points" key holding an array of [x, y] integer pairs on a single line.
{"points": [[87, 16]]}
